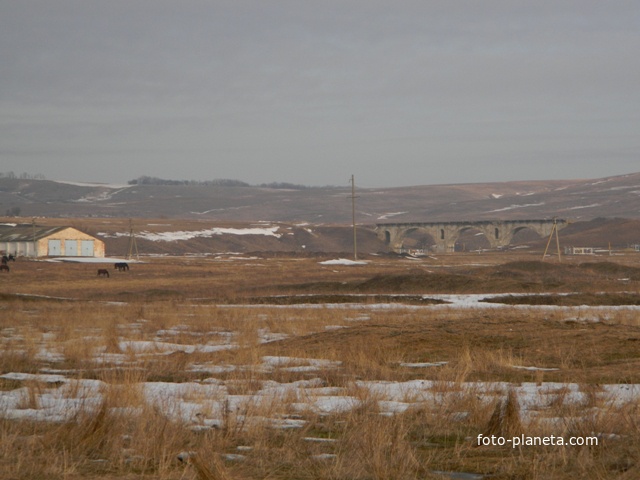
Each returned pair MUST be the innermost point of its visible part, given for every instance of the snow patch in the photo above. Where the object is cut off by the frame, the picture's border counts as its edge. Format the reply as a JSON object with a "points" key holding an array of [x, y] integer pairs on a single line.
{"points": [[585, 206], [342, 261], [387, 215], [188, 235], [89, 260], [513, 207], [96, 185]]}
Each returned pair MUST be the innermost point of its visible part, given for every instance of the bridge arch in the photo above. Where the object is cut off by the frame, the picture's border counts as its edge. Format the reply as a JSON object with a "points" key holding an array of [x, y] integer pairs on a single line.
{"points": [[419, 239], [471, 237]]}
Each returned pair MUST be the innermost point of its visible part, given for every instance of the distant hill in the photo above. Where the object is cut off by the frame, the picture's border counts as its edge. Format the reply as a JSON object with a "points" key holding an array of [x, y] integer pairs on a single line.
{"points": [[578, 200], [307, 220]]}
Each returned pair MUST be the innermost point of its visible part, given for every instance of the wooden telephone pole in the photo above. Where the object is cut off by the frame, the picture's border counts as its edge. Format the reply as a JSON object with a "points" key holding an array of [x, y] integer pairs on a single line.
{"points": [[553, 229], [353, 217], [33, 231], [132, 241]]}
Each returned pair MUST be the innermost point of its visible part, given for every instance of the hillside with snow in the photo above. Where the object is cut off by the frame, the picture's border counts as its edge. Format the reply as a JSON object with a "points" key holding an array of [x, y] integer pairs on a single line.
{"points": [[577, 200]]}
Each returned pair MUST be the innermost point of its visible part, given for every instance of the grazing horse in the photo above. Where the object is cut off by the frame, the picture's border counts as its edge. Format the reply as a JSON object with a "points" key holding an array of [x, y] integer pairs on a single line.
{"points": [[4, 268], [121, 267], [103, 272]]}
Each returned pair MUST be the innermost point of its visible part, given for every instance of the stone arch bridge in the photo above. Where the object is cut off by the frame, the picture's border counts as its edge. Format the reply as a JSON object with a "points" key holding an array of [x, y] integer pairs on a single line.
{"points": [[499, 233]]}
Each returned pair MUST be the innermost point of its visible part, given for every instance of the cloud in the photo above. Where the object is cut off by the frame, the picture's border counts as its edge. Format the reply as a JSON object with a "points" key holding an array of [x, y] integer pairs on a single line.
{"points": [[302, 91]]}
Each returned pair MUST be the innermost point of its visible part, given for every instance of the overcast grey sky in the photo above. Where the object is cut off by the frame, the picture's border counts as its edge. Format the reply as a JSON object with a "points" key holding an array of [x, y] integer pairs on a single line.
{"points": [[312, 91]]}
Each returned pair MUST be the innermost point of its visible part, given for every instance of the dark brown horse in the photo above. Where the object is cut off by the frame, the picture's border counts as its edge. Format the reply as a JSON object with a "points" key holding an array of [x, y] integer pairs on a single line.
{"points": [[4, 268], [103, 272]]}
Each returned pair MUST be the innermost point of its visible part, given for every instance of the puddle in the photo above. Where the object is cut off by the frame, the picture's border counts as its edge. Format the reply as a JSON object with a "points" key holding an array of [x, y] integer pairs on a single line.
{"points": [[343, 298], [461, 475]]}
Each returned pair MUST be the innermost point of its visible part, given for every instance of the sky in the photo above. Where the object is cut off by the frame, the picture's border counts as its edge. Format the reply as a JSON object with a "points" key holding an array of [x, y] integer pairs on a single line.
{"points": [[395, 93]]}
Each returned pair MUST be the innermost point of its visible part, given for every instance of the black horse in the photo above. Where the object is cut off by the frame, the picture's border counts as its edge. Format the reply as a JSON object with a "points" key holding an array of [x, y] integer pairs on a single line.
{"points": [[121, 266]]}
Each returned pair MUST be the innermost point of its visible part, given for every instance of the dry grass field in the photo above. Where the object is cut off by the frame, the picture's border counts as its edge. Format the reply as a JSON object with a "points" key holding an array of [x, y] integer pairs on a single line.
{"points": [[289, 367]]}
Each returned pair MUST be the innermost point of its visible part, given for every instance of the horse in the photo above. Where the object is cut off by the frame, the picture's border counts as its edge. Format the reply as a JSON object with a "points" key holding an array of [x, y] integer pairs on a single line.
{"points": [[4, 260], [4, 268], [103, 272], [121, 266]]}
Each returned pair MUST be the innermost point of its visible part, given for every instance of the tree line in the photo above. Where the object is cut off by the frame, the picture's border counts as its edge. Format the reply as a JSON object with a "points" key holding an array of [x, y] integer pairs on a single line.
{"points": [[147, 180], [23, 176]]}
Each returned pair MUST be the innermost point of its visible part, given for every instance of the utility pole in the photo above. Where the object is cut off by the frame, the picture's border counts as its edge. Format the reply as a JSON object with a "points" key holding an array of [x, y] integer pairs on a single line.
{"points": [[33, 231], [553, 229], [132, 241], [353, 217]]}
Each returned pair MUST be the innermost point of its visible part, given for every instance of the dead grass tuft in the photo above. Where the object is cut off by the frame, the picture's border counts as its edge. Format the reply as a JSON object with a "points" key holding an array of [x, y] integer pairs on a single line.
{"points": [[211, 469], [505, 420]]}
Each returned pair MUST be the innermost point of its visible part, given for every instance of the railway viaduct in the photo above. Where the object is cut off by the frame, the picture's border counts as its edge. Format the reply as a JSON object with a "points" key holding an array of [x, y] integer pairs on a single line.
{"points": [[499, 233]]}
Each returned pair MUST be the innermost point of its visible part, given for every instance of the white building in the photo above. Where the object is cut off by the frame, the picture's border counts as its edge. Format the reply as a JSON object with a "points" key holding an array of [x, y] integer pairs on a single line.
{"points": [[34, 241], [579, 251]]}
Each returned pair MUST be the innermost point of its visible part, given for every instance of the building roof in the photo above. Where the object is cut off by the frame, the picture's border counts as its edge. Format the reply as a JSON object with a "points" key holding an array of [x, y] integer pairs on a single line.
{"points": [[11, 232]]}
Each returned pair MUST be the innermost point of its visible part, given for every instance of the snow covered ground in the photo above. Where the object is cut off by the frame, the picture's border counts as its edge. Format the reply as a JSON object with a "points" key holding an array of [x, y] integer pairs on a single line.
{"points": [[173, 236], [90, 260], [201, 404], [343, 261]]}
